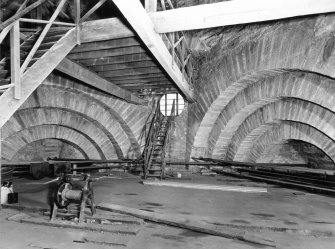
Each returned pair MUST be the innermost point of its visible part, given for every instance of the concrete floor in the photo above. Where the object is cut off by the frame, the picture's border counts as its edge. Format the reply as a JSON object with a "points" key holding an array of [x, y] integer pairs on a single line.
{"points": [[291, 218]]}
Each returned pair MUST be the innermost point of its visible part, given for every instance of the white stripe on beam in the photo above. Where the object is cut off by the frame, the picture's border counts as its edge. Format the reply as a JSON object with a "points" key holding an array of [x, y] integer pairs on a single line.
{"points": [[236, 12], [137, 17]]}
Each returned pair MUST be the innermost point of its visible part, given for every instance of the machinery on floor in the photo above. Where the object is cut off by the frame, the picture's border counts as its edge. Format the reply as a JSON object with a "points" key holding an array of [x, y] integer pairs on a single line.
{"points": [[74, 189]]}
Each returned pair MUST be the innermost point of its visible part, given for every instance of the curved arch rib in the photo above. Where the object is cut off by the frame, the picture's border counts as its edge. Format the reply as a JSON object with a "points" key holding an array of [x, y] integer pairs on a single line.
{"points": [[16, 141], [291, 130]]}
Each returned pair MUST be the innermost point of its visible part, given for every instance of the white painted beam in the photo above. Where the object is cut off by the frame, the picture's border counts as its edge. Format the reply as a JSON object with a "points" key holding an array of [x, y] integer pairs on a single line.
{"points": [[15, 59], [137, 17], [0, 165], [104, 29], [150, 5], [83, 74], [236, 12]]}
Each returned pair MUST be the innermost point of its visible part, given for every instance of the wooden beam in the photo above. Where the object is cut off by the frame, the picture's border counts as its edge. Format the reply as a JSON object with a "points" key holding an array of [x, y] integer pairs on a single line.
{"points": [[35, 75], [15, 59], [115, 43], [0, 164], [42, 35], [92, 10], [5, 31], [186, 223], [150, 5], [143, 26], [158, 79], [46, 22], [77, 19], [164, 83], [85, 75], [130, 72], [130, 65], [153, 87], [21, 13], [23, 5], [148, 85], [143, 76], [116, 59], [203, 186], [106, 53], [104, 29], [235, 12]]}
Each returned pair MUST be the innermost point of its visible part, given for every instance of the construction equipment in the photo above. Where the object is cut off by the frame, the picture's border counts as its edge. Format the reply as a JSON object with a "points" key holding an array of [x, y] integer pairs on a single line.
{"points": [[74, 189]]}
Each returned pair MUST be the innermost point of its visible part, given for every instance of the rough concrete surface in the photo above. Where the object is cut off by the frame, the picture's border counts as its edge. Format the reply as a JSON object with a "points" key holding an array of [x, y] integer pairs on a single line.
{"points": [[291, 218]]}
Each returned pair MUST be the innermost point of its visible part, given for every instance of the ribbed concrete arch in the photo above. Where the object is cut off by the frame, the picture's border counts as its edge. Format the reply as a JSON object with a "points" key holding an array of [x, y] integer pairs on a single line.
{"points": [[250, 139], [280, 47], [106, 133], [306, 86], [59, 97], [133, 115], [289, 109], [38, 126], [83, 153], [288, 130], [16, 141], [39, 116]]}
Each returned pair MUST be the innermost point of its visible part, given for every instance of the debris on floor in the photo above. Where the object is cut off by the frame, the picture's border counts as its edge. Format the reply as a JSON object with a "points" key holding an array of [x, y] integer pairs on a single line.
{"points": [[193, 225]]}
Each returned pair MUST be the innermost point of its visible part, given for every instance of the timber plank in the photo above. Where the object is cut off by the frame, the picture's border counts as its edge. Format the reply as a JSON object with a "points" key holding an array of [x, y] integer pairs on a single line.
{"points": [[181, 222], [35, 75], [206, 186], [116, 59], [83, 74], [126, 230], [150, 80], [144, 76], [116, 43], [234, 12], [130, 72], [143, 26], [106, 53], [104, 29], [129, 65]]}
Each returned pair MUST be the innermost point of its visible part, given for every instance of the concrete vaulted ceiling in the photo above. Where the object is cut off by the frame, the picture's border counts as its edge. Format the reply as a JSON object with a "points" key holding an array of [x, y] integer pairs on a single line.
{"points": [[65, 110], [281, 78], [255, 97], [13, 143], [268, 83], [290, 131], [294, 110]]}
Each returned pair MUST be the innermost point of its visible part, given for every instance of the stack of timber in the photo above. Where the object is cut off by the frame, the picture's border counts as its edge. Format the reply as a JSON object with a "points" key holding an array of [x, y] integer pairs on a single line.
{"points": [[288, 175]]}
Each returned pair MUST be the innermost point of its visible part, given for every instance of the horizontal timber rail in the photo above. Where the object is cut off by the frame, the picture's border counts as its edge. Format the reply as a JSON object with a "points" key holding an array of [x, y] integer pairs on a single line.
{"points": [[245, 164], [12, 26], [304, 185], [79, 161]]}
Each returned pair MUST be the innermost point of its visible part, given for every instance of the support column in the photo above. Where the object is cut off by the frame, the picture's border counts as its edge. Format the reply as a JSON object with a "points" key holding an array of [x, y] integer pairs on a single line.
{"points": [[0, 165], [150, 5], [15, 59]]}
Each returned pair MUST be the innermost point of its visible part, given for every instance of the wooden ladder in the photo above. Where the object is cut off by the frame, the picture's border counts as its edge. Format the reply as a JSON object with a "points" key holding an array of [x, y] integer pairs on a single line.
{"points": [[157, 144]]}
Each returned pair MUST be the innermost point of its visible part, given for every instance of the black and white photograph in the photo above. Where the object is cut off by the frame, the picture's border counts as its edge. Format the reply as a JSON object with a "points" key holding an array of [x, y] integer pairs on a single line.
{"points": [[167, 124]]}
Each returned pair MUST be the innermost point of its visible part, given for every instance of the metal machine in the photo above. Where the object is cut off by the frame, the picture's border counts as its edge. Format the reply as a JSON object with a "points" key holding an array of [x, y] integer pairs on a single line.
{"points": [[74, 189]]}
